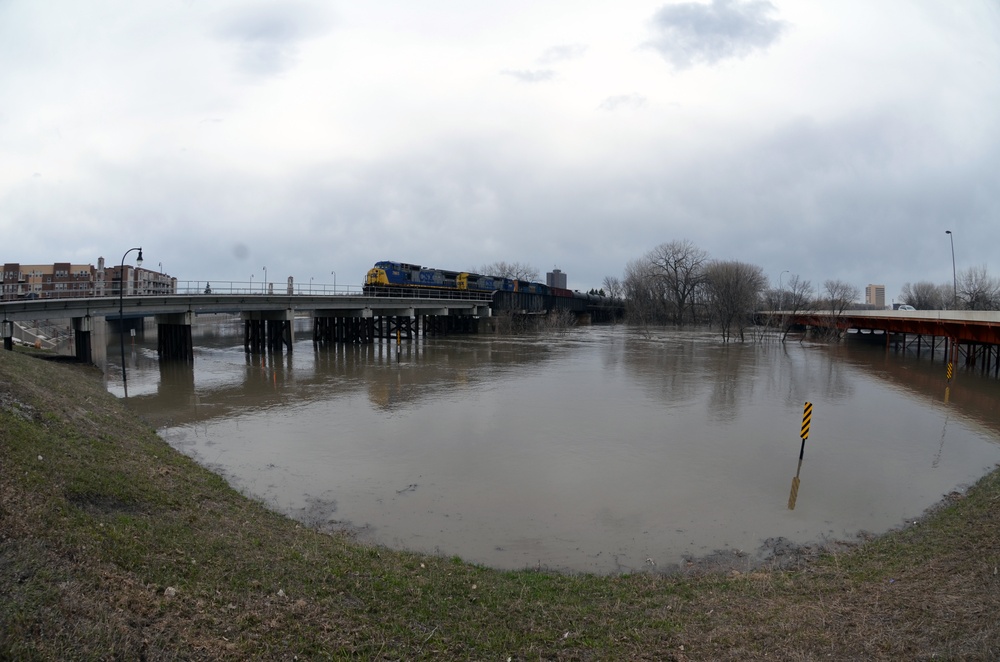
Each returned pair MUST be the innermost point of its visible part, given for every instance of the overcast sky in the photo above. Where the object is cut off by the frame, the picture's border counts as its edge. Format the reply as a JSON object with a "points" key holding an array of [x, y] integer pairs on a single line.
{"points": [[831, 139]]}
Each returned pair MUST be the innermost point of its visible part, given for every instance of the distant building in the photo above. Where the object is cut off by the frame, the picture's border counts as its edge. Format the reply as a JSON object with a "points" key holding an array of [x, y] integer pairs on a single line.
{"points": [[556, 278], [62, 280], [875, 296]]}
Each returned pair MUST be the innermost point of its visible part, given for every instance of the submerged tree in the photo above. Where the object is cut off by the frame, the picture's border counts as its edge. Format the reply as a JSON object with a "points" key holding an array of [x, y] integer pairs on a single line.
{"points": [[679, 267], [639, 287], [734, 291]]}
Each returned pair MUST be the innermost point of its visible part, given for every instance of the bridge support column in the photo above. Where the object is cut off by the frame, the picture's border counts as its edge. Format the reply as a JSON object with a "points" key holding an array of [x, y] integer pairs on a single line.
{"points": [[267, 331], [82, 327], [344, 326], [173, 333], [8, 334]]}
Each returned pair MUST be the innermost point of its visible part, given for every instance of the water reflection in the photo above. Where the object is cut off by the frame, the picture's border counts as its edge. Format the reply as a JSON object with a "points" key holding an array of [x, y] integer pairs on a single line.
{"points": [[594, 449]]}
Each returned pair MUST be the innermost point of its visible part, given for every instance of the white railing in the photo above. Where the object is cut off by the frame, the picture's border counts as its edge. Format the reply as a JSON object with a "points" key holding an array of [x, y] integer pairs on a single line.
{"points": [[189, 287]]}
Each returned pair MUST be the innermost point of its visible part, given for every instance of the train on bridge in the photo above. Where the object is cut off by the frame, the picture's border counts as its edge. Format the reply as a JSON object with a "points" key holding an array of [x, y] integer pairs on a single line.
{"points": [[399, 277]]}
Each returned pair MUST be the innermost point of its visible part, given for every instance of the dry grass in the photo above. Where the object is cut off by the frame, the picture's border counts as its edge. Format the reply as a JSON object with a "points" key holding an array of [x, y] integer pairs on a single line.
{"points": [[114, 546]]}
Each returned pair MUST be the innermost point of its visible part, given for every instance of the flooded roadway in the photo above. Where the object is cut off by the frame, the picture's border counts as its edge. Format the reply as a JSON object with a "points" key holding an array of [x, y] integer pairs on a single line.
{"points": [[598, 449]]}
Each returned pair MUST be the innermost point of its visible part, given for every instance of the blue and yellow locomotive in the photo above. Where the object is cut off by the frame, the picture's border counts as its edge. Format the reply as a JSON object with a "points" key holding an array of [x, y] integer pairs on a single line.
{"points": [[387, 274]]}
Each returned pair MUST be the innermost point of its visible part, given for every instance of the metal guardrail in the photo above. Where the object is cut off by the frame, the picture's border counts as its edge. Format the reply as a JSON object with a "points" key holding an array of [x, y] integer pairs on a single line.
{"points": [[244, 288]]}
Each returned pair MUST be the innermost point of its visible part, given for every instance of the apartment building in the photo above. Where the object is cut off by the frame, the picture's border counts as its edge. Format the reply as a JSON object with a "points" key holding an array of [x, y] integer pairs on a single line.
{"points": [[63, 280]]}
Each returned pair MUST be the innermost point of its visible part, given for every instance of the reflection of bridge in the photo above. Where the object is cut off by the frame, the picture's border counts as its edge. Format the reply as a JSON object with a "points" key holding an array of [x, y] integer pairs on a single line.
{"points": [[267, 318], [975, 334]]}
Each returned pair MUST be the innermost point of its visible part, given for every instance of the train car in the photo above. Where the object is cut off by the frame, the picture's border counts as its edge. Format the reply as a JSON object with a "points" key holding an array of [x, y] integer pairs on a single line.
{"points": [[389, 274]]}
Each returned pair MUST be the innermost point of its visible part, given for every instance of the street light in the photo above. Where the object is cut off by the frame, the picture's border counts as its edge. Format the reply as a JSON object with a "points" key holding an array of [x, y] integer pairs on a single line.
{"points": [[334, 281], [265, 280], [310, 284], [781, 290], [251, 283], [954, 276], [121, 310]]}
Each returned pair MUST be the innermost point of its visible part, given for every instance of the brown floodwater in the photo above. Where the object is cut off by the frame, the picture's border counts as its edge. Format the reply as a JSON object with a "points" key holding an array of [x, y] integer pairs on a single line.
{"points": [[597, 449]]}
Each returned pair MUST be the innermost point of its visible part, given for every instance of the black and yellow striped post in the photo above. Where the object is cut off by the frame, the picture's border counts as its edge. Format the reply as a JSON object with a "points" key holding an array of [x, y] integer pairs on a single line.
{"points": [[949, 372], [807, 412]]}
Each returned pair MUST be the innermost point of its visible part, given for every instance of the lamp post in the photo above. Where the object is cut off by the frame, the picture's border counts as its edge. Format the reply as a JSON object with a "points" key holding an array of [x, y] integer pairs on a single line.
{"points": [[954, 275], [121, 310], [265, 280], [251, 283], [334, 281], [310, 284], [781, 291]]}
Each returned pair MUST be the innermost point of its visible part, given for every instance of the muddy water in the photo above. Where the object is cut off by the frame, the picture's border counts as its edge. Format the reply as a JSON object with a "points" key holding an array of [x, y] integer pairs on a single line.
{"points": [[600, 449]]}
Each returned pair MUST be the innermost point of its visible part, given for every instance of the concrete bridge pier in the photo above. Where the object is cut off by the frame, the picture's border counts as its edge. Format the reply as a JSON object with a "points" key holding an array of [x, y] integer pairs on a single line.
{"points": [[267, 331], [82, 326], [173, 333]]}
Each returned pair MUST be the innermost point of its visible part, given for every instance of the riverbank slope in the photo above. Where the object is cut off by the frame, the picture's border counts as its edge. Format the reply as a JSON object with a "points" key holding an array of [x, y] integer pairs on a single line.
{"points": [[115, 546]]}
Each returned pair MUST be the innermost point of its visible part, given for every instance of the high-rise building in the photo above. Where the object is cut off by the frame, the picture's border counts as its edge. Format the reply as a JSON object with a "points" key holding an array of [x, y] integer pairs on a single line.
{"points": [[556, 278], [875, 295]]}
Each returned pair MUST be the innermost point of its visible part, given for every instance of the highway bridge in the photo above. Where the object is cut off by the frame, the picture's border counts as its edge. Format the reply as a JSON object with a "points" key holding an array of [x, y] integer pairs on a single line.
{"points": [[967, 335]]}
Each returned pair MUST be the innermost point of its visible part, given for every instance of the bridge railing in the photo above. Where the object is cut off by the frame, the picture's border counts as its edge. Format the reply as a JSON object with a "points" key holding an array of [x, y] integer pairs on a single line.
{"points": [[188, 287]]}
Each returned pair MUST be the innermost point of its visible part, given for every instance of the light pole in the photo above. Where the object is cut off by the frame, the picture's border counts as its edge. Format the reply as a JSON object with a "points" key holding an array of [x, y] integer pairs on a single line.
{"points": [[781, 291], [310, 284], [954, 275], [334, 281], [121, 310], [251, 283], [265, 280]]}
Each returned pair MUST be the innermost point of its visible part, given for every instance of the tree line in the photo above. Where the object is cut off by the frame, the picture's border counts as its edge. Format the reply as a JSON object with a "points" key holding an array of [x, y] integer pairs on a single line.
{"points": [[678, 283], [972, 289]]}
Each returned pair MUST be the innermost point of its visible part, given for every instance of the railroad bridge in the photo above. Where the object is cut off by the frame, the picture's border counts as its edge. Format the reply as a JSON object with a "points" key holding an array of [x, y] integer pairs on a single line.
{"points": [[268, 318]]}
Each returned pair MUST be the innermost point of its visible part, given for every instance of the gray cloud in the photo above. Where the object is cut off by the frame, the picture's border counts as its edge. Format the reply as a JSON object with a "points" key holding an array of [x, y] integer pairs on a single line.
{"points": [[690, 33], [562, 53], [267, 35], [623, 101], [530, 76]]}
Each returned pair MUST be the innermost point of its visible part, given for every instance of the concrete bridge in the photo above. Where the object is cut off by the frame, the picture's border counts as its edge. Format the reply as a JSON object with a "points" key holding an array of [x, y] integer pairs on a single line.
{"points": [[267, 318]]}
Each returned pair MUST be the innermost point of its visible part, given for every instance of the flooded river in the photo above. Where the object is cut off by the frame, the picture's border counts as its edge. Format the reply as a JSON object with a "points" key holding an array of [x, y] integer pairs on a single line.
{"points": [[597, 449]]}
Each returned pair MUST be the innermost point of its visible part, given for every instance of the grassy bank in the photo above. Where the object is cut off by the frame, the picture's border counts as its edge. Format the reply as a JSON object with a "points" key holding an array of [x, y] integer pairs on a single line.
{"points": [[114, 546]]}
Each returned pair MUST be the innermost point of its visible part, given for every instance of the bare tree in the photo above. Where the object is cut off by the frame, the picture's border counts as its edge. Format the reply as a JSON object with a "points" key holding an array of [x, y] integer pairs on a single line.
{"points": [[515, 270], [798, 297], [948, 296], [734, 291], [613, 287], [644, 301], [680, 266], [839, 295], [923, 295], [977, 290]]}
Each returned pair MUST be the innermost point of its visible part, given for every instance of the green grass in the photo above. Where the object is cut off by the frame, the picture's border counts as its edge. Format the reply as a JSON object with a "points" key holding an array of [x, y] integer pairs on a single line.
{"points": [[114, 546]]}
